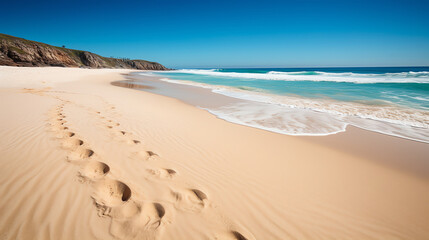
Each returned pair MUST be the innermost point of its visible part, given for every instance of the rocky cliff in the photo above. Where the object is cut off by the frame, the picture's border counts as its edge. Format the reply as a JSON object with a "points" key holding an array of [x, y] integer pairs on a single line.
{"points": [[21, 52]]}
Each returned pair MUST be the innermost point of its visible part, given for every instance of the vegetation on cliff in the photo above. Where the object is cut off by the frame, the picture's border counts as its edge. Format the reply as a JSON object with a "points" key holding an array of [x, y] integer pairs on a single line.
{"points": [[16, 51]]}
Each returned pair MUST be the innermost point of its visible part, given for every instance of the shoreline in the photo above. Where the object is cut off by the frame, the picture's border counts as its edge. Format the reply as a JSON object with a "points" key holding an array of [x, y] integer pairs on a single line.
{"points": [[276, 114], [178, 172], [372, 145]]}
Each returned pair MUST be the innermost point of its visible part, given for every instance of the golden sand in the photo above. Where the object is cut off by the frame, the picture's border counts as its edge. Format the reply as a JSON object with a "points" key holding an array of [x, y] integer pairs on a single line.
{"points": [[82, 159]]}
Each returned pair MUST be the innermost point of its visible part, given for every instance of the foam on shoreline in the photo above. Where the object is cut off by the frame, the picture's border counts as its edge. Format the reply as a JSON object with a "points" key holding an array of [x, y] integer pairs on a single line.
{"points": [[297, 116]]}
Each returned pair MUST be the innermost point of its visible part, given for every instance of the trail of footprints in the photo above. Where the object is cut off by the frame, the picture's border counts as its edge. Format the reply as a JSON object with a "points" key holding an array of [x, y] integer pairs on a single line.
{"points": [[130, 218], [111, 196]]}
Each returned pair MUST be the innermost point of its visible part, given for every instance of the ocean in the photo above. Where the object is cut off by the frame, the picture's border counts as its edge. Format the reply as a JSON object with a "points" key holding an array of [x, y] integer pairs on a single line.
{"points": [[319, 101]]}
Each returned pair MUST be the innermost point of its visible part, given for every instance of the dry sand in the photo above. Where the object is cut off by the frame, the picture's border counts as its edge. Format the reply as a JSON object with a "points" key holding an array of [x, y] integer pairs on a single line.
{"points": [[82, 159]]}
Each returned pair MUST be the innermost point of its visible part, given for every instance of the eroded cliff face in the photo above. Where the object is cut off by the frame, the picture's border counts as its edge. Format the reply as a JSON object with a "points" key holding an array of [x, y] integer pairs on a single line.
{"points": [[21, 52]]}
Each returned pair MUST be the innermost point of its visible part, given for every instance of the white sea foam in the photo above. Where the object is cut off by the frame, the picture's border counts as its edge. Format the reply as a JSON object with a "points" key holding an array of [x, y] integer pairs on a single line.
{"points": [[299, 122], [302, 116], [280, 119], [403, 77]]}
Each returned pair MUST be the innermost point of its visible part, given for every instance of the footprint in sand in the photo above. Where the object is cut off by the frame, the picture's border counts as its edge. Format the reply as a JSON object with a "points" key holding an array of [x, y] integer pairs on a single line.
{"points": [[133, 142], [111, 122], [64, 134], [151, 215], [80, 153], [162, 173], [58, 127], [111, 192], [72, 143], [133, 220], [123, 133], [146, 155], [94, 170], [190, 199]]}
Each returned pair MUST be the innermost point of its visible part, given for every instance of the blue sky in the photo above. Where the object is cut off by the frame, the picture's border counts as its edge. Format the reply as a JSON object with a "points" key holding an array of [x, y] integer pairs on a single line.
{"points": [[182, 34]]}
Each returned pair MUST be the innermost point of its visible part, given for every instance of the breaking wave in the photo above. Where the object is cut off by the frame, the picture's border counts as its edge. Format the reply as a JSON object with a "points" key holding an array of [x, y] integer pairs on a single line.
{"points": [[401, 77]]}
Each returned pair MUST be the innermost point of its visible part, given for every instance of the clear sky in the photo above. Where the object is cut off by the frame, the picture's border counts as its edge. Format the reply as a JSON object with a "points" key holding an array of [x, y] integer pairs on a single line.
{"points": [[220, 33]]}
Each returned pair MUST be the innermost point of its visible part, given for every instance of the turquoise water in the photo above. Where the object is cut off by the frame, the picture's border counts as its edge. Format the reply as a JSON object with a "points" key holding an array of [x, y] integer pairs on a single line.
{"points": [[408, 87], [320, 101]]}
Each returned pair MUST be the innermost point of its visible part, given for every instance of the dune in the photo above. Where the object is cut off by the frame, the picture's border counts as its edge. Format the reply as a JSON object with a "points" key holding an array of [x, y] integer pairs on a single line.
{"points": [[83, 159]]}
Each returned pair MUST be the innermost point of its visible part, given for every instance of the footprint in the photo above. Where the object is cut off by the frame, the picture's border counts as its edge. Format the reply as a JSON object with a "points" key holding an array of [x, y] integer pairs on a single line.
{"points": [[111, 192], [152, 214], [80, 153], [133, 220], [133, 142], [95, 170], [190, 199], [162, 173], [58, 127], [72, 143], [64, 134], [146, 155]]}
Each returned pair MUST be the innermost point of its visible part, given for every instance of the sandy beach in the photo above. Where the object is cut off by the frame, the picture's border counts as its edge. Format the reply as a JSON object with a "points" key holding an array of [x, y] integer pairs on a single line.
{"points": [[81, 158]]}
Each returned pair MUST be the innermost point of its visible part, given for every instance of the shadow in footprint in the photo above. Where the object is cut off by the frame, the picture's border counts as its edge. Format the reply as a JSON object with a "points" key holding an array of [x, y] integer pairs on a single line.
{"points": [[159, 209], [133, 142], [238, 235], [200, 195]]}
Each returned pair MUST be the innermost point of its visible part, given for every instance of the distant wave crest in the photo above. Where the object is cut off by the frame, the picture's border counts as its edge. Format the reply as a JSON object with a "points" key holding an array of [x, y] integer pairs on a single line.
{"points": [[401, 77]]}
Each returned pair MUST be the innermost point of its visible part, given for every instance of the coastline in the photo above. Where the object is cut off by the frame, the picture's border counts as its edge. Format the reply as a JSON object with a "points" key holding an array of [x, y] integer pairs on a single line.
{"points": [[284, 107], [373, 142], [251, 183]]}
